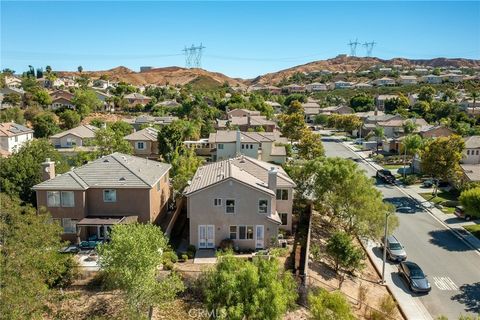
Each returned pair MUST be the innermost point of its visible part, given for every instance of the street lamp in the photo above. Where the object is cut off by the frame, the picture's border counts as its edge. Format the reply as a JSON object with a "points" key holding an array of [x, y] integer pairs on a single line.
{"points": [[387, 214]]}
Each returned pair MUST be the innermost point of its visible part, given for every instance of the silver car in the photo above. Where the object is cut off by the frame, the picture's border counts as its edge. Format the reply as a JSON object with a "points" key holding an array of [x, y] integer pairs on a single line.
{"points": [[395, 250]]}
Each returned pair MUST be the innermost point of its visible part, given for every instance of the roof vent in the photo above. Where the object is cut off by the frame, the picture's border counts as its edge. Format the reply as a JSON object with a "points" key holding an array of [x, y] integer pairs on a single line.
{"points": [[122, 179], [106, 160]]}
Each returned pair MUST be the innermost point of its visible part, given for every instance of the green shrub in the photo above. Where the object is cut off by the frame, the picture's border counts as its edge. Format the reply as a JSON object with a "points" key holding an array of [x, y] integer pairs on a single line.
{"points": [[168, 265], [410, 179], [170, 256], [185, 257], [378, 158]]}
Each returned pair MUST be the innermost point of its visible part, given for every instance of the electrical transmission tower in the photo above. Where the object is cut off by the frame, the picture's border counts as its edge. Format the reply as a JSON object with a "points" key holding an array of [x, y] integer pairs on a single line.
{"points": [[353, 47], [193, 56], [369, 47]]}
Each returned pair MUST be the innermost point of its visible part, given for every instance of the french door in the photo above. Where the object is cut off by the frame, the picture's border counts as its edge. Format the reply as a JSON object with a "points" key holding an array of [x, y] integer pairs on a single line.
{"points": [[259, 237], [206, 236]]}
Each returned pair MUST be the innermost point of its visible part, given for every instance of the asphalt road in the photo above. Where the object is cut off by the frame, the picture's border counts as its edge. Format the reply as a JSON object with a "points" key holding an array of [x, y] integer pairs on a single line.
{"points": [[452, 267]]}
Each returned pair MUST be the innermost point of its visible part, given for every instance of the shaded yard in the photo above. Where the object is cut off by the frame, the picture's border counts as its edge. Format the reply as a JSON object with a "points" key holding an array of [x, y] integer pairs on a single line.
{"points": [[474, 229], [448, 200]]}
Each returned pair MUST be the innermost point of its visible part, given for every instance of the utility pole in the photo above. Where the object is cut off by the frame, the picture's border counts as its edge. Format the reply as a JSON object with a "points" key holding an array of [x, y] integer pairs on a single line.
{"points": [[387, 214], [353, 47], [193, 56]]}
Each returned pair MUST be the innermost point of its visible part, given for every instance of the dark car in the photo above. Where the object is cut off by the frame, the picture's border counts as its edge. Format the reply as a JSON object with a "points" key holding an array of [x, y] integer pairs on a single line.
{"points": [[385, 175], [413, 274], [460, 212], [395, 250]]}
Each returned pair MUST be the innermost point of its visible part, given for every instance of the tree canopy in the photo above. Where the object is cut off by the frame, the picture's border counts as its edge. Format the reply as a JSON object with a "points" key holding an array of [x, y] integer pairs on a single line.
{"points": [[326, 305], [470, 200], [45, 124]]}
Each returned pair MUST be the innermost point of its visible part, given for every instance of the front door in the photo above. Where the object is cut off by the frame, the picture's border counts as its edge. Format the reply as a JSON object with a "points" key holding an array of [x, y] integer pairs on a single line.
{"points": [[206, 236], [259, 237]]}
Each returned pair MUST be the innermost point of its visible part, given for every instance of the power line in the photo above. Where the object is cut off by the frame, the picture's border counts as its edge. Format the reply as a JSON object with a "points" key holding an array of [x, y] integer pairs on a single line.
{"points": [[193, 56]]}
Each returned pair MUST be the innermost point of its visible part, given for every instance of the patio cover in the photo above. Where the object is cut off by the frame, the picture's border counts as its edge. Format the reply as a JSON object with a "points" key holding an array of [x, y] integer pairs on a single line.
{"points": [[106, 221]]}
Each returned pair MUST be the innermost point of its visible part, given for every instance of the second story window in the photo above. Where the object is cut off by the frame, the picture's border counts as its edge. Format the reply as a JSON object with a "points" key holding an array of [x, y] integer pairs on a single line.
{"points": [[217, 202], [230, 206], [53, 199], [140, 145], [67, 199], [109, 195], [262, 206], [282, 194], [220, 146]]}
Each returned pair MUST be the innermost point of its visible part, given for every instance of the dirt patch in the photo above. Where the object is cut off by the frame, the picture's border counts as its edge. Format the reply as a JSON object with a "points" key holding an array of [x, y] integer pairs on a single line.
{"points": [[322, 275], [107, 117]]}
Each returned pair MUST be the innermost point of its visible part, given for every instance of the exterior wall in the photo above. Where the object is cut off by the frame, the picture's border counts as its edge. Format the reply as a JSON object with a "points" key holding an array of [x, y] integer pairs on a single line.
{"points": [[201, 211], [239, 113], [150, 147], [438, 132], [63, 141], [130, 202], [159, 199], [9, 144], [471, 156], [229, 151], [286, 206], [266, 154]]}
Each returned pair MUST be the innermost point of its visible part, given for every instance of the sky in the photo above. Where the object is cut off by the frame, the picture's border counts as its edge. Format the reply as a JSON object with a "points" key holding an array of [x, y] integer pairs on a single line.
{"points": [[241, 39]]}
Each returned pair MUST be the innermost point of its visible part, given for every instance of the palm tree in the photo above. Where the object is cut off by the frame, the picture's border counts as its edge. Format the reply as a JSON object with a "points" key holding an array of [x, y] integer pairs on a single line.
{"points": [[474, 95], [411, 144], [378, 133]]}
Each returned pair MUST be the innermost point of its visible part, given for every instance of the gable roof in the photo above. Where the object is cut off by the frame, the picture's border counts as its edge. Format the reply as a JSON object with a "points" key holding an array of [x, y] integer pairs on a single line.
{"points": [[246, 170], [150, 134], [137, 96], [246, 137], [116, 170], [11, 129], [472, 142], [82, 131]]}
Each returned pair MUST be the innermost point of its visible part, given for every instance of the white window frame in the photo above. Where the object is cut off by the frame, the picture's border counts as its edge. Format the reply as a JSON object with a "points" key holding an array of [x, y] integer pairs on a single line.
{"points": [[73, 225], [282, 192], [62, 196], [217, 202], [54, 205], [230, 232], [227, 206], [115, 192], [262, 208], [220, 146], [252, 233], [240, 234], [138, 145]]}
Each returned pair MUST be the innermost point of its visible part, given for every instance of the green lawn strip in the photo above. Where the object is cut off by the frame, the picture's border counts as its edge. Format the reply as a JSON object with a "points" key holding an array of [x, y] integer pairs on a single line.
{"points": [[474, 229], [392, 166], [441, 197]]}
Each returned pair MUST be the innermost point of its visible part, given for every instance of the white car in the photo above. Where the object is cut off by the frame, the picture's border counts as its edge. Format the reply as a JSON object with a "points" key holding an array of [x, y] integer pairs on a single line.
{"points": [[427, 204]]}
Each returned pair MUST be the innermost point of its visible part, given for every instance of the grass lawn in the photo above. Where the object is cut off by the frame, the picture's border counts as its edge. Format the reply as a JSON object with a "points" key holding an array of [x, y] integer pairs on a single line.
{"points": [[392, 166], [441, 197], [474, 229]]}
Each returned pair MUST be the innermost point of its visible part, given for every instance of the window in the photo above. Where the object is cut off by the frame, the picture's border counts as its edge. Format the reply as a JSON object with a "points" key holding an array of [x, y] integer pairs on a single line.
{"points": [[476, 152], [233, 232], [67, 199], [217, 202], [109, 195], [468, 152], [284, 218], [69, 225], [16, 138], [53, 198], [249, 232], [220, 146], [243, 146], [230, 206], [282, 194], [262, 206], [140, 145]]}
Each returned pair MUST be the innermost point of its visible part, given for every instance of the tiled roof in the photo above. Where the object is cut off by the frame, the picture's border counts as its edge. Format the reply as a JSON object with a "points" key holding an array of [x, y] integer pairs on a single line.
{"points": [[246, 137], [243, 169], [113, 171], [472, 171], [472, 142], [82, 131], [136, 96], [11, 129], [150, 134]]}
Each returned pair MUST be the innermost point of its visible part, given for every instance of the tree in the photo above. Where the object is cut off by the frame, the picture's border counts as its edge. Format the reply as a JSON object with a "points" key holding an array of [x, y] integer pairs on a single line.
{"points": [[171, 137], [184, 163], [410, 144], [42, 97], [326, 305], [48, 69], [238, 289], [13, 99], [295, 97], [45, 124], [120, 128], [12, 114], [295, 107], [86, 100], [131, 260], [470, 200], [108, 141], [21, 171], [474, 96], [30, 263], [345, 256], [292, 125], [341, 191], [69, 119], [426, 94], [310, 145], [409, 127], [396, 103], [345, 122], [379, 134], [362, 102], [80, 69], [441, 158]]}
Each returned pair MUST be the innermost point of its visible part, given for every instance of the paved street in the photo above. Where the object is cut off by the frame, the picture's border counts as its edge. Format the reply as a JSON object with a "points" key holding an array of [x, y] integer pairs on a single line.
{"points": [[453, 268]]}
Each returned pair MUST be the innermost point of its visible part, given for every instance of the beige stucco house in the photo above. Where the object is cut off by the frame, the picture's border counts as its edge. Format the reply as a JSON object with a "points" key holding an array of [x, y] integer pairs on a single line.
{"points": [[75, 137], [242, 199], [89, 200], [144, 142]]}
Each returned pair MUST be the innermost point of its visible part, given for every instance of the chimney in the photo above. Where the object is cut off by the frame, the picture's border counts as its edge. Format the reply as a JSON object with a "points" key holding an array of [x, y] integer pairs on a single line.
{"points": [[248, 120], [48, 170], [238, 142], [272, 179]]}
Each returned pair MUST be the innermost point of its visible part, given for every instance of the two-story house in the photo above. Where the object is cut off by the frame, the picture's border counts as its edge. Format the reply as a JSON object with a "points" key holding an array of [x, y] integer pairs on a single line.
{"points": [[266, 146], [242, 199], [144, 142], [75, 137], [384, 82], [13, 136], [87, 201]]}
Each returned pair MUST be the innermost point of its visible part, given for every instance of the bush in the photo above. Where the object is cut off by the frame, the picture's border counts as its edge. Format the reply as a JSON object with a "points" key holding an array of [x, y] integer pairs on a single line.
{"points": [[410, 179], [226, 244], [279, 252], [329, 306], [387, 309], [170, 256], [378, 158], [191, 251], [450, 203], [168, 265], [185, 257]]}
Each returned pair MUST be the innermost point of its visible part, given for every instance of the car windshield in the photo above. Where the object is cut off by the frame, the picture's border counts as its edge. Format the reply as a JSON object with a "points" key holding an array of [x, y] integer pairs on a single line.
{"points": [[416, 272], [395, 246]]}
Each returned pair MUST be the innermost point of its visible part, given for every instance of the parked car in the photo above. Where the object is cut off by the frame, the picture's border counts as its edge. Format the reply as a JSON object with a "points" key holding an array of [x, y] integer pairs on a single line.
{"points": [[413, 274], [460, 212], [385, 175], [431, 182], [395, 250]]}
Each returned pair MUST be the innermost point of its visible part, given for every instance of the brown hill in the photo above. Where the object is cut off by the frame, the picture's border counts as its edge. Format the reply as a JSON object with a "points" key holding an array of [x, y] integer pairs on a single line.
{"points": [[160, 76], [344, 63]]}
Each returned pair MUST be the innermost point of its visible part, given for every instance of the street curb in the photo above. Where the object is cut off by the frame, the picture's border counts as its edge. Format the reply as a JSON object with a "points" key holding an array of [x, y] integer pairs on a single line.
{"points": [[390, 291], [401, 188]]}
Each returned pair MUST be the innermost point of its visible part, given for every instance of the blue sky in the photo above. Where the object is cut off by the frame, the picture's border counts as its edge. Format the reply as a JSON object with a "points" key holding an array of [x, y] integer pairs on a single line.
{"points": [[242, 39]]}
